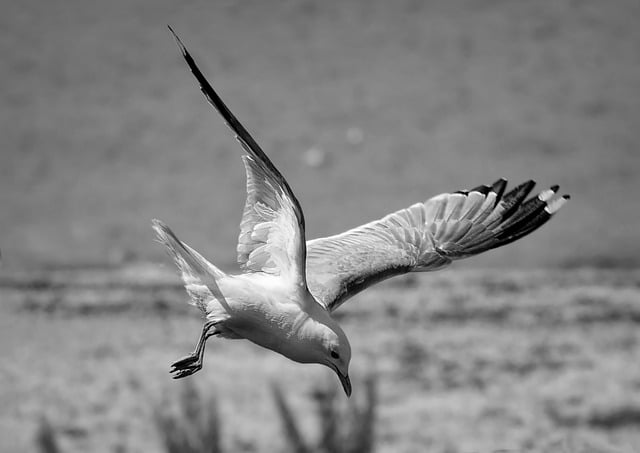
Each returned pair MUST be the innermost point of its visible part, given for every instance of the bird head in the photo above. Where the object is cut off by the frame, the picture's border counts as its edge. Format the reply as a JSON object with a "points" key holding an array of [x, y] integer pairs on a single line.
{"points": [[334, 351], [320, 339]]}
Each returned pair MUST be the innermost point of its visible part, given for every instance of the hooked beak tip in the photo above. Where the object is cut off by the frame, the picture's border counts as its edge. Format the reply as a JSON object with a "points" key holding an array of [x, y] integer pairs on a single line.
{"points": [[346, 382]]}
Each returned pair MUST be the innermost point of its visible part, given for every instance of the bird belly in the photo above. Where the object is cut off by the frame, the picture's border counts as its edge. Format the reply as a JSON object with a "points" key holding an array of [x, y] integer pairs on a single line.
{"points": [[259, 309], [260, 325]]}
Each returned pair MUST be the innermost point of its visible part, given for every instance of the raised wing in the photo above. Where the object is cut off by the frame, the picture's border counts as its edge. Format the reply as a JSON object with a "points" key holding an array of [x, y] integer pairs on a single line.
{"points": [[425, 237], [272, 228]]}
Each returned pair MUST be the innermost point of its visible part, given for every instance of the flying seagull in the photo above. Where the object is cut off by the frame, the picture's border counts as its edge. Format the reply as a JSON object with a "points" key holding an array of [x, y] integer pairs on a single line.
{"points": [[288, 288]]}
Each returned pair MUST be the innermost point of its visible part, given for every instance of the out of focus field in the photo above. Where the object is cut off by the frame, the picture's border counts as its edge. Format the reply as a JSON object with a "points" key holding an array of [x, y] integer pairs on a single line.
{"points": [[366, 107], [468, 361]]}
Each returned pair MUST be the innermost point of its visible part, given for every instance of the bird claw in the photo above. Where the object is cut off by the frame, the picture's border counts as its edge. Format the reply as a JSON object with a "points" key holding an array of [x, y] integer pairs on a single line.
{"points": [[178, 374], [185, 361], [185, 366]]}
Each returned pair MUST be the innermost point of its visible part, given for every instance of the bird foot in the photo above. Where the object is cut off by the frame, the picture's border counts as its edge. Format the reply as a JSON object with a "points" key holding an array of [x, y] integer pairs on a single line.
{"points": [[186, 360], [186, 366]]}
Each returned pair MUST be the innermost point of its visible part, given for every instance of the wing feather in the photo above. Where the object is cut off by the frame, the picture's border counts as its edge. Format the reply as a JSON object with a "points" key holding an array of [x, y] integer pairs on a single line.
{"points": [[271, 238], [425, 237]]}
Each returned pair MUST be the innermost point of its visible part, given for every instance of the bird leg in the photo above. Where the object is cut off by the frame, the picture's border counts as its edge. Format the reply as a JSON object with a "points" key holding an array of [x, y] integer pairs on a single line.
{"points": [[188, 365]]}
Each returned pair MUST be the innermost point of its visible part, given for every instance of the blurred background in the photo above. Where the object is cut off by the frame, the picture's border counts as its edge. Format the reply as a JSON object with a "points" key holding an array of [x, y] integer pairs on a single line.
{"points": [[366, 107]]}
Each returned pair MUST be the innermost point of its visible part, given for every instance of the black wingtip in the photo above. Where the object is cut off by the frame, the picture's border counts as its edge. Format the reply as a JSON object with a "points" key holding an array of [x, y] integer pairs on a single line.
{"points": [[181, 46], [242, 135], [498, 187], [515, 197], [530, 215], [521, 191], [483, 189]]}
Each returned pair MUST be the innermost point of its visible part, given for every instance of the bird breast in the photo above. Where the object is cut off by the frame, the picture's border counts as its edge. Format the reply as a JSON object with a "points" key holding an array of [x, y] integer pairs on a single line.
{"points": [[265, 313]]}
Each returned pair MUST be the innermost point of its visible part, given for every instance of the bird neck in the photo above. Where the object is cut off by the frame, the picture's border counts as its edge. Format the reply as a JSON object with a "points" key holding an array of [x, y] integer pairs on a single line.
{"points": [[314, 309]]}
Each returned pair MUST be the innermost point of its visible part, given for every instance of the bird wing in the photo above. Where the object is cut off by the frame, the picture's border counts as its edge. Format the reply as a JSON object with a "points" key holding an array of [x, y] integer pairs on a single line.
{"points": [[425, 237], [272, 228]]}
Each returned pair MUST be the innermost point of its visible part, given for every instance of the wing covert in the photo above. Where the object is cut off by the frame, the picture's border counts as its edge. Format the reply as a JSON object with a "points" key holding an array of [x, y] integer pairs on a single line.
{"points": [[271, 239]]}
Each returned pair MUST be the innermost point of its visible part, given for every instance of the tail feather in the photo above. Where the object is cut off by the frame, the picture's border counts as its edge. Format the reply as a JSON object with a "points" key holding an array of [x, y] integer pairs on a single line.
{"points": [[198, 274]]}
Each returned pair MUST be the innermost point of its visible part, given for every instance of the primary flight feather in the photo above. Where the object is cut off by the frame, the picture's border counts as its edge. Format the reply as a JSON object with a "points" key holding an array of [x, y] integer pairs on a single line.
{"points": [[284, 297]]}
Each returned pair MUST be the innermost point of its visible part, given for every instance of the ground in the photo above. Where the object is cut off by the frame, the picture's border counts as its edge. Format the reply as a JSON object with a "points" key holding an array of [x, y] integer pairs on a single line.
{"points": [[465, 361]]}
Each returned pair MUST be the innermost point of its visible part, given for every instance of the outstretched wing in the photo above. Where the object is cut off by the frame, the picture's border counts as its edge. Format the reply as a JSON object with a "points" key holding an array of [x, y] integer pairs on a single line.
{"points": [[425, 237], [272, 228]]}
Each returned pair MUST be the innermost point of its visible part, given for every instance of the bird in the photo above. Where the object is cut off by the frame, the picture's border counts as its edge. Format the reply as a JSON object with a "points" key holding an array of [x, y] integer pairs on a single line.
{"points": [[288, 287]]}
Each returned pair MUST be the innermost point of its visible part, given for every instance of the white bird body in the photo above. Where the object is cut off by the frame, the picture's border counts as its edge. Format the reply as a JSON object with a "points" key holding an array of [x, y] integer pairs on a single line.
{"points": [[273, 311], [262, 309], [289, 287]]}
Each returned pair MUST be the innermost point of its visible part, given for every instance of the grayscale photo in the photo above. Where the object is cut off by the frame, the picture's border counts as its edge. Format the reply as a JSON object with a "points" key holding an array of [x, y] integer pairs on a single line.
{"points": [[320, 227]]}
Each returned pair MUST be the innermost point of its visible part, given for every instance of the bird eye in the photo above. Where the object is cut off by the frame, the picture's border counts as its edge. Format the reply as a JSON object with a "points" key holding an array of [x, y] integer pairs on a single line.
{"points": [[335, 355]]}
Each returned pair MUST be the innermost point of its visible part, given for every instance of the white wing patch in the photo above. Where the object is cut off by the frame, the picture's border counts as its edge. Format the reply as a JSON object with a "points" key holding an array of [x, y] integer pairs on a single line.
{"points": [[270, 235]]}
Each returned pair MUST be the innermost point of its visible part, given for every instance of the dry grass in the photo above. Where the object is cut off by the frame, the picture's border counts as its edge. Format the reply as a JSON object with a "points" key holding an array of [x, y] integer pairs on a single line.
{"points": [[465, 362], [190, 426], [341, 430], [190, 423], [45, 437]]}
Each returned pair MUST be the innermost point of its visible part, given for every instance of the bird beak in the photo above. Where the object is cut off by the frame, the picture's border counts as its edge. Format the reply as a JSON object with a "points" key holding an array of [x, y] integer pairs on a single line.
{"points": [[345, 381]]}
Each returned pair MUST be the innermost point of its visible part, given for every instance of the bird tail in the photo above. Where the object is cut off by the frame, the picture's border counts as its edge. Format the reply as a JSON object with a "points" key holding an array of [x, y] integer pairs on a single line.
{"points": [[199, 275]]}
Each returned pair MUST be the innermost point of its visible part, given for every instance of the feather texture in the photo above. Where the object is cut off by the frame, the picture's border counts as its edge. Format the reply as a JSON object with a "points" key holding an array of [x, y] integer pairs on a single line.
{"points": [[198, 274], [425, 237], [272, 228]]}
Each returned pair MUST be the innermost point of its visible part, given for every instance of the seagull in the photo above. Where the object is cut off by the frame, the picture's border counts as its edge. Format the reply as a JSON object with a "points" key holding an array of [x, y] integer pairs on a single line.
{"points": [[284, 297]]}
